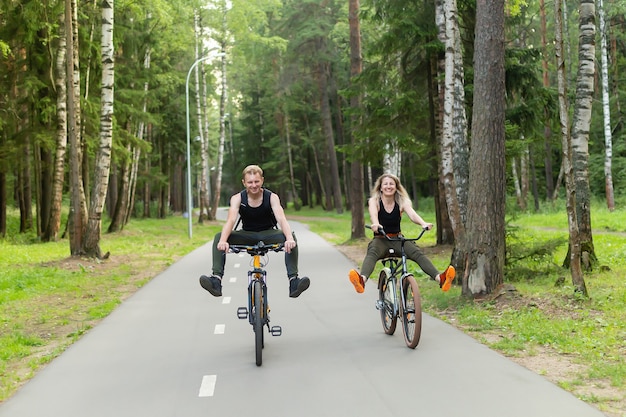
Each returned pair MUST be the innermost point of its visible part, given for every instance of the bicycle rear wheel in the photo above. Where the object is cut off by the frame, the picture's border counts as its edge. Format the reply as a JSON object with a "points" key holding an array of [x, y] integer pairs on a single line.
{"points": [[258, 316], [386, 296], [411, 312]]}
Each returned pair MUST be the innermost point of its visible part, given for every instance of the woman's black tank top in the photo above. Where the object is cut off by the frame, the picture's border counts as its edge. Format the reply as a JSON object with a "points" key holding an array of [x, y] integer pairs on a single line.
{"points": [[390, 221]]}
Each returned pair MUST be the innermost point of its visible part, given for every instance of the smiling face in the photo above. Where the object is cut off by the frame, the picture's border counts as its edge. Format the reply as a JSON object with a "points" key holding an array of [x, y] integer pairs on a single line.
{"points": [[253, 183], [388, 186]]}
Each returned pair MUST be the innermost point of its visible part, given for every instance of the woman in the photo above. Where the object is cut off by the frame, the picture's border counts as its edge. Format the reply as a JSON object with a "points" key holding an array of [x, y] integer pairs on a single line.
{"points": [[389, 199]]}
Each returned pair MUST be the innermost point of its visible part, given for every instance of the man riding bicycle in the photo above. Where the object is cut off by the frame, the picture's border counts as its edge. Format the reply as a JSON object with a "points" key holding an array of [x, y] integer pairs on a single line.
{"points": [[263, 218]]}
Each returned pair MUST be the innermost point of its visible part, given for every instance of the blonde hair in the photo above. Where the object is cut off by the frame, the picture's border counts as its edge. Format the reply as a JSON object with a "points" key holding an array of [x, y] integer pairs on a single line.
{"points": [[253, 170], [401, 196]]}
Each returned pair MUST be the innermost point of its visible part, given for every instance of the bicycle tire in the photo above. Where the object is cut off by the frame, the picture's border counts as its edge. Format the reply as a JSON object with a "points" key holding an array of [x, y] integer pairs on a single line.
{"points": [[257, 293], [411, 312], [385, 299]]}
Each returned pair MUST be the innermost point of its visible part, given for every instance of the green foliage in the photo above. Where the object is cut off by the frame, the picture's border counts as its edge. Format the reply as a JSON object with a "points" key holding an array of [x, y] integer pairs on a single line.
{"points": [[48, 299]]}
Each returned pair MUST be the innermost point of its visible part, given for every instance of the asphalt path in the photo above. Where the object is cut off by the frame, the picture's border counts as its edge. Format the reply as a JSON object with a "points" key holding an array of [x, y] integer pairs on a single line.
{"points": [[173, 350]]}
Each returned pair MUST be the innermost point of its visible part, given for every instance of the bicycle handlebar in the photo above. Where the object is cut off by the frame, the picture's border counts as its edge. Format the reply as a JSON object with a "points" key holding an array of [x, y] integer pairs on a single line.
{"points": [[258, 249], [399, 237]]}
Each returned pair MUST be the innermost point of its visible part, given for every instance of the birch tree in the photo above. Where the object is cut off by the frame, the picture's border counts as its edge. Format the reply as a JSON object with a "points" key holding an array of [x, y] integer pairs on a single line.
{"points": [[453, 144], [54, 224], [606, 111], [91, 244], [78, 207], [581, 123], [204, 203], [574, 239]]}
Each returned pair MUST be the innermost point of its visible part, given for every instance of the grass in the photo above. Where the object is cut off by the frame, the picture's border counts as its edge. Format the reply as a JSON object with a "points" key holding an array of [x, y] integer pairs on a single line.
{"points": [[48, 300]]}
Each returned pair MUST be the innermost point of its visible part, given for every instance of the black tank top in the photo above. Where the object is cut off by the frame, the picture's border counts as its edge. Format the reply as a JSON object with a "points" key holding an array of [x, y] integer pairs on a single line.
{"points": [[389, 221], [256, 219]]}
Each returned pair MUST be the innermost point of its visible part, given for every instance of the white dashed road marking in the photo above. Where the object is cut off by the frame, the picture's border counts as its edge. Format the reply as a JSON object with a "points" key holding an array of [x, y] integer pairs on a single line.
{"points": [[208, 386], [219, 329], [226, 300]]}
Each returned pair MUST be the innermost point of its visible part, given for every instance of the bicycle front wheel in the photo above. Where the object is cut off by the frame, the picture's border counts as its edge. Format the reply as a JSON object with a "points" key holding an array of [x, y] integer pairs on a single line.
{"points": [[258, 312], [411, 311], [386, 297]]}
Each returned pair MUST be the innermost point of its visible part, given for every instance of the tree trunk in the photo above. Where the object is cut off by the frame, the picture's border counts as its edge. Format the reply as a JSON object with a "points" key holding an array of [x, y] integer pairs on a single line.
{"points": [[485, 248], [292, 179], [574, 238], [78, 209], [357, 197], [3, 204], [121, 205], [547, 130], [585, 86], [454, 148], [204, 203], [222, 141], [91, 244], [606, 110], [333, 174], [51, 233]]}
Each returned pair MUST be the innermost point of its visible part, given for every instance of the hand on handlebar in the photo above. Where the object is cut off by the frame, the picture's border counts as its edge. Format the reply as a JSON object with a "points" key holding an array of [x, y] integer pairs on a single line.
{"points": [[289, 245], [223, 246]]}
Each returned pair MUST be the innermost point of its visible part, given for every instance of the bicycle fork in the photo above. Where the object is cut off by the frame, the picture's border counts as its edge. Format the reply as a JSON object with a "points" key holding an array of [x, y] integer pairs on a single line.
{"points": [[244, 312]]}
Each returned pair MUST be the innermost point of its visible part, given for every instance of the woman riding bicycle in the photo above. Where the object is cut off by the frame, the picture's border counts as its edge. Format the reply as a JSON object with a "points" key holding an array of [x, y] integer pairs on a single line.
{"points": [[388, 200]]}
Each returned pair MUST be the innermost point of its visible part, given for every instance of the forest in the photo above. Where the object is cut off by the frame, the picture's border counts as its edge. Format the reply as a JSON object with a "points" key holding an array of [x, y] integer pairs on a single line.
{"points": [[120, 109]]}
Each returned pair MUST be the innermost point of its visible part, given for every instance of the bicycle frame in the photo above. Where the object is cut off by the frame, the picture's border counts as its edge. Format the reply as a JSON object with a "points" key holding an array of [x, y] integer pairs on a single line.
{"points": [[257, 311], [395, 286], [257, 274]]}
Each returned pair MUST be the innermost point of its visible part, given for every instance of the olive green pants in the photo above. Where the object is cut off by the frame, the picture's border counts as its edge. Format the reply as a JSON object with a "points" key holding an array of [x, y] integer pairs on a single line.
{"points": [[378, 248]]}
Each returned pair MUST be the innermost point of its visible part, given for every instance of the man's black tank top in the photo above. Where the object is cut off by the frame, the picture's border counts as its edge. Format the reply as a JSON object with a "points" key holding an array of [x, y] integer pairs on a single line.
{"points": [[390, 221], [256, 219]]}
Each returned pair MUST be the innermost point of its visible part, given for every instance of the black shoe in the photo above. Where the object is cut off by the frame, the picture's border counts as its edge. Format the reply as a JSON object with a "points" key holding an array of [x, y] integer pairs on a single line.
{"points": [[212, 284], [298, 285]]}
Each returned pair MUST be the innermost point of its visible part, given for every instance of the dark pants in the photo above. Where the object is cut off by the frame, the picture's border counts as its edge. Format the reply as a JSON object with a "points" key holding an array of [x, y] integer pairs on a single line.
{"points": [[378, 248], [242, 237]]}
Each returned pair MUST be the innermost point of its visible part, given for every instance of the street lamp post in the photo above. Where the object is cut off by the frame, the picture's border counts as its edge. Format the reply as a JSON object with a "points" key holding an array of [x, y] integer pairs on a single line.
{"points": [[189, 199]]}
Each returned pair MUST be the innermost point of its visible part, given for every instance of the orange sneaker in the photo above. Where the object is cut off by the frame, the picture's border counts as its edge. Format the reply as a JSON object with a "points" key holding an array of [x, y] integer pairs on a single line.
{"points": [[446, 278], [357, 280]]}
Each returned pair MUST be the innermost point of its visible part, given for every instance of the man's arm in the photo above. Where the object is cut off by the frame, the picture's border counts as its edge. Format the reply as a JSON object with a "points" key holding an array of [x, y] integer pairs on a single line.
{"points": [[281, 219], [233, 212]]}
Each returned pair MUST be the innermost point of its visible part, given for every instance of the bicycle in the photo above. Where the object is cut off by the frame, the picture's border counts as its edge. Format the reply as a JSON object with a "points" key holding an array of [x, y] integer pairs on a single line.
{"points": [[257, 311], [401, 300]]}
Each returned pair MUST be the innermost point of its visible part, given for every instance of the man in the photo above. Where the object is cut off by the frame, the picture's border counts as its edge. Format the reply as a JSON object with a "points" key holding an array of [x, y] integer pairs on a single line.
{"points": [[261, 213]]}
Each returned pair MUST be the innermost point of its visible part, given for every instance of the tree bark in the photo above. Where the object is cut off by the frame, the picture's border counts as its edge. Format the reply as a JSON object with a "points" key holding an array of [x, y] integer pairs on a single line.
{"points": [[51, 233], [220, 148], [606, 111], [485, 249], [574, 238], [91, 244], [330, 140], [78, 208], [357, 197]]}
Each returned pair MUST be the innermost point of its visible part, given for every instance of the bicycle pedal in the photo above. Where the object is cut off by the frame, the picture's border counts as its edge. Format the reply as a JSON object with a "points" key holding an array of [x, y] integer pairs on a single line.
{"points": [[276, 330], [242, 313]]}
